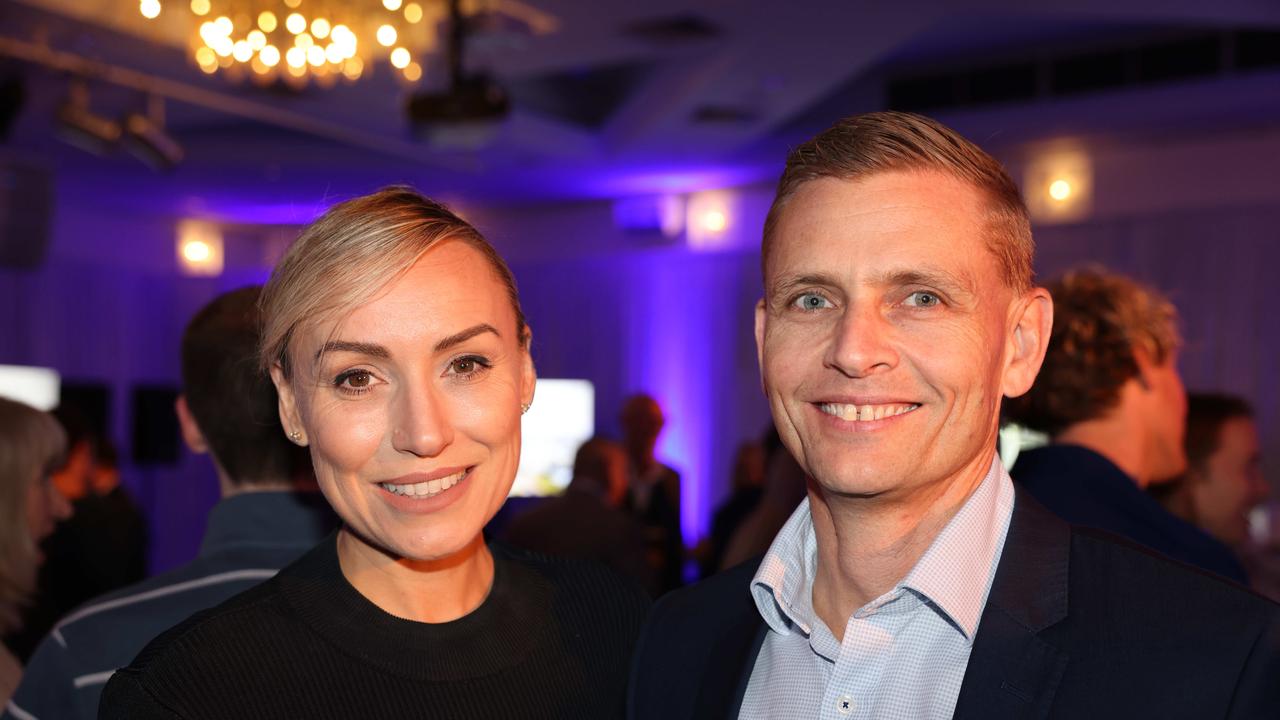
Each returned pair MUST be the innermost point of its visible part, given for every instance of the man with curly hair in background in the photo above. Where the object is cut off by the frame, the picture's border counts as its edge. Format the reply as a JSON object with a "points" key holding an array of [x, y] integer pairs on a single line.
{"points": [[1110, 397]]}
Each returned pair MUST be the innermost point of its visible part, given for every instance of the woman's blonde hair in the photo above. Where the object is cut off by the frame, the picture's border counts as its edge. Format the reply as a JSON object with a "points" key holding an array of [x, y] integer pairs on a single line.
{"points": [[354, 250], [32, 445]]}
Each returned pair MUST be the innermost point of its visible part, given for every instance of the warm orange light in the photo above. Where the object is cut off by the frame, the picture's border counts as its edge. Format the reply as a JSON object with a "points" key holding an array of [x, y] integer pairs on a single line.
{"points": [[150, 9], [400, 58], [413, 12], [267, 21], [1060, 190], [386, 36], [200, 7]]}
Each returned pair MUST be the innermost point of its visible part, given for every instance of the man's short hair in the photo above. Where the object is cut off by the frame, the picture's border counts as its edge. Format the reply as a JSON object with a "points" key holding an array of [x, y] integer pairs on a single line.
{"points": [[1100, 320], [231, 396], [879, 142], [1206, 414]]}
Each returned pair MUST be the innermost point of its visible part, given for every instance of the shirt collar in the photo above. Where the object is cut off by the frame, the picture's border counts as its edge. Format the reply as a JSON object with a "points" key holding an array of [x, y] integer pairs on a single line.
{"points": [[954, 574], [267, 518]]}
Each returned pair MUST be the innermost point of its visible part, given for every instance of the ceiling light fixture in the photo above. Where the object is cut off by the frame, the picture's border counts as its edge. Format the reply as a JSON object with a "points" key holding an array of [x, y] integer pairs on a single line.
{"points": [[322, 41], [145, 137], [80, 126]]}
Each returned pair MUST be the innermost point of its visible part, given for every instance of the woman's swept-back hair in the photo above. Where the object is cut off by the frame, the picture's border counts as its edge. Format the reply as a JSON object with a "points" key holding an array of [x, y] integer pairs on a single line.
{"points": [[860, 146], [354, 250], [32, 445]]}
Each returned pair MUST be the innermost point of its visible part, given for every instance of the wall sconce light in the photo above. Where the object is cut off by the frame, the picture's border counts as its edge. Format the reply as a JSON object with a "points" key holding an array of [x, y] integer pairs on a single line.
{"points": [[199, 248], [1059, 186], [709, 219]]}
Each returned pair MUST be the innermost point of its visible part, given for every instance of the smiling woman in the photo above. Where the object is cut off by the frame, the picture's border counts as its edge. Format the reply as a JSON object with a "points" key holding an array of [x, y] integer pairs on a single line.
{"points": [[394, 336]]}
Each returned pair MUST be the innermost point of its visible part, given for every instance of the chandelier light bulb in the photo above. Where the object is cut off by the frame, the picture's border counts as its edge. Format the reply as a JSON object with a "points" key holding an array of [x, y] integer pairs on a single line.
{"points": [[241, 51], [352, 68], [207, 59], [295, 23], [208, 32], [386, 36], [270, 56], [400, 58], [413, 12], [304, 41], [223, 25], [296, 57], [267, 21], [320, 28], [150, 9], [200, 7], [392, 5], [333, 53], [315, 56], [413, 73], [223, 46], [257, 40]]}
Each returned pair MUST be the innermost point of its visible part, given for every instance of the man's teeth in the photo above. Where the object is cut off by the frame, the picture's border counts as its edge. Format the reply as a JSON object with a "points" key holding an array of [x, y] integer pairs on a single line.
{"points": [[425, 489], [865, 413]]}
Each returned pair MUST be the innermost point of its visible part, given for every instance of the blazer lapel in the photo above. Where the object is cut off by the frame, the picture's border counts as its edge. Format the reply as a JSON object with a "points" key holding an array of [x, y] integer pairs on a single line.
{"points": [[725, 681], [1013, 671]]}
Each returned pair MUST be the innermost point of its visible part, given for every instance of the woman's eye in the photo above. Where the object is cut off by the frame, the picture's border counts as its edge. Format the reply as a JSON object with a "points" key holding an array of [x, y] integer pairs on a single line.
{"points": [[468, 366], [923, 298], [811, 301], [354, 381]]}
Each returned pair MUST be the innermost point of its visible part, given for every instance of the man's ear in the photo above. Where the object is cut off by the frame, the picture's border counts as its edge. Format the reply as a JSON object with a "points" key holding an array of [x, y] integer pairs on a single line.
{"points": [[760, 318], [528, 373], [289, 417], [1146, 367], [191, 433], [1028, 341]]}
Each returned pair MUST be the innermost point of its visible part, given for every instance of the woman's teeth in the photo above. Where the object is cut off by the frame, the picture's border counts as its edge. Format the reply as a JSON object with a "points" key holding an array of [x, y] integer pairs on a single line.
{"points": [[425, 489], [865, 413]]}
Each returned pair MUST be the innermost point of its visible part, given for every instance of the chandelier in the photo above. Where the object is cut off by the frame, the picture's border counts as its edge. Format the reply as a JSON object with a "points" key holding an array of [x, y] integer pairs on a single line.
{"points": [[303, 41]]}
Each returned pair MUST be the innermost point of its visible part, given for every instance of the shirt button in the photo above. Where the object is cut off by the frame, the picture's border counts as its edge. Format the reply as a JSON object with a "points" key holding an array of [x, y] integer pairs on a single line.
{"points": [[844, 704]]}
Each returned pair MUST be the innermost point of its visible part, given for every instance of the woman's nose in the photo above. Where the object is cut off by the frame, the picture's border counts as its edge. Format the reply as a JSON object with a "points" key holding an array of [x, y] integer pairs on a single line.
{"points": [[421, 425]]}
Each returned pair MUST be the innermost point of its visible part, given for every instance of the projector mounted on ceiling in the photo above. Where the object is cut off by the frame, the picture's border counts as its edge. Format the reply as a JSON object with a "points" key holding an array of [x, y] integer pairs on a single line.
{"points": [[468, 114]]}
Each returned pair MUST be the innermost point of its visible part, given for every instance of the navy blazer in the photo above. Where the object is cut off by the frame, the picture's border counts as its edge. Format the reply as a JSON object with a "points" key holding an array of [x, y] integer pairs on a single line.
{"points": [[1079, 624]]}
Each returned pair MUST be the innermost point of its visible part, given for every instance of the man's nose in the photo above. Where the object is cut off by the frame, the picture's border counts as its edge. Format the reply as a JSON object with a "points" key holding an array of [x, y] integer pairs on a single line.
{"points": [[862, 343]]}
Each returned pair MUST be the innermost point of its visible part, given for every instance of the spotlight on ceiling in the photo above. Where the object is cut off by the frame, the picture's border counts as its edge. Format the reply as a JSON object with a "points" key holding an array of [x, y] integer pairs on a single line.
{"points": [[145, 137], [78, 125]]}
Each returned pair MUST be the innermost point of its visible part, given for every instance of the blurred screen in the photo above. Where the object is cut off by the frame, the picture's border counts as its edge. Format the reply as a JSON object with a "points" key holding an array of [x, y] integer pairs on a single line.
{"points": [[35, 386], [561, 418]]}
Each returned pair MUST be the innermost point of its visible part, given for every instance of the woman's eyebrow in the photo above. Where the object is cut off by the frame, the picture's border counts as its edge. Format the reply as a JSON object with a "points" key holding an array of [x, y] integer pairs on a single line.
{"points": [[465, 335], [370, 349]]}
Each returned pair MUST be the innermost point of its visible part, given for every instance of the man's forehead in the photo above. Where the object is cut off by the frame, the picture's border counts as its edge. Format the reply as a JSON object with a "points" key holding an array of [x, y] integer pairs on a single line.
{"points": [[884, 227]]}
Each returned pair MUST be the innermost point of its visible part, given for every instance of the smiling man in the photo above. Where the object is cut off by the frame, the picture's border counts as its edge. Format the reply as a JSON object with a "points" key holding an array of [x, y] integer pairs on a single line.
{"points": [[914, 582]]}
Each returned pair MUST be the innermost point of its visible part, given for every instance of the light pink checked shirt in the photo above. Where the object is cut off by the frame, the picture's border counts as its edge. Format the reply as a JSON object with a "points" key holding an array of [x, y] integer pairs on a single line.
{"points": [[904, 654]]}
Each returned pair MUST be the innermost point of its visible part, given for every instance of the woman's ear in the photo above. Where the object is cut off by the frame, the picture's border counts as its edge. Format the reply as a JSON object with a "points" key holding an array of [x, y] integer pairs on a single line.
{"points": [[1028, 341], [289, 417]]}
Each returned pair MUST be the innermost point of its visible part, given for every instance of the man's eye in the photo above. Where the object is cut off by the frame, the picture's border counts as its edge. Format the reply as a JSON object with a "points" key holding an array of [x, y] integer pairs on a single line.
{"points": [[811, 301], [923, 298]]}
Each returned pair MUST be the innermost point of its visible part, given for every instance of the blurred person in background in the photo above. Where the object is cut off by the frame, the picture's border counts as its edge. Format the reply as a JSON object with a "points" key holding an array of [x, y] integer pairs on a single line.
{"points": [[1112, 401], [394, 336], [747, 485], [32, 445], [228, 410], [102, 547], [653, 498], [586, 520], [1223, 482], [784, 488]]}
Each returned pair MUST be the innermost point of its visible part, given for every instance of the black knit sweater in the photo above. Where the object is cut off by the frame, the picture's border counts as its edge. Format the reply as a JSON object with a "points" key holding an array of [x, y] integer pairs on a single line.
{"points": [[553, 639]]}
